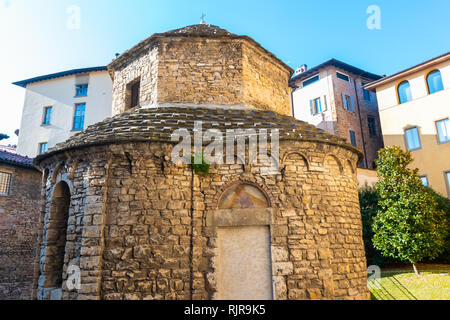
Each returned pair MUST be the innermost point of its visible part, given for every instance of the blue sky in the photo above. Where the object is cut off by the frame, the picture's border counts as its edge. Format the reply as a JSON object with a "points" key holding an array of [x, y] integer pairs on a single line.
{"points": [[36, 40]]}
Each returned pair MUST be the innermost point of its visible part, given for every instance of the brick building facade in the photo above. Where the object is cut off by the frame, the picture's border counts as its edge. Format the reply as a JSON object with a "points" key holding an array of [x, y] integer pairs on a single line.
{"points": [[331, 96], [19, 216]]}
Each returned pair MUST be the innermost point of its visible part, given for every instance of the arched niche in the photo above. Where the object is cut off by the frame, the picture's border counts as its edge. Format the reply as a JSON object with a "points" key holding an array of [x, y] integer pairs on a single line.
{"points": [[243, 196], [56, 236], [332, 164], [295, 162], [349, 168]]}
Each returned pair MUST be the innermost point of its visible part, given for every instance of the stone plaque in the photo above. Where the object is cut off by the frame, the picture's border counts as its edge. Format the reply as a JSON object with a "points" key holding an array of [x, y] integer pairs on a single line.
{"points": [[244, 263]]}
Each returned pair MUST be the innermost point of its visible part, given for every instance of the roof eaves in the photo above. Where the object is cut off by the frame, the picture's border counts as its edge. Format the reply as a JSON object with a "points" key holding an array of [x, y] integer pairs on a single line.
{"points": [[24, 83], [16, 160], [337, 64]]}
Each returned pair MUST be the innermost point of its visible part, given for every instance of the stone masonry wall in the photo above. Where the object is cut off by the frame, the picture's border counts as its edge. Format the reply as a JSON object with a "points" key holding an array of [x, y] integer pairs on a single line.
{"points": [[143, 233], [204, 71], [19, 214], [143, 68], [200, 71], [265, 81]]}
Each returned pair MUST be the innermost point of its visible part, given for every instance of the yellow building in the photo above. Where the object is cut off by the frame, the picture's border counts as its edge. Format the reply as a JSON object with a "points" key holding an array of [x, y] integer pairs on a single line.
{"points": [[414, 109]]}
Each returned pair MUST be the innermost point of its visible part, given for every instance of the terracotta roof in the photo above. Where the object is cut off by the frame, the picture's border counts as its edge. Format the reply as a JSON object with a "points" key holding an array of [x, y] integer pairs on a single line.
{"points": [[15, 159], [198, 30], [157, 123]]}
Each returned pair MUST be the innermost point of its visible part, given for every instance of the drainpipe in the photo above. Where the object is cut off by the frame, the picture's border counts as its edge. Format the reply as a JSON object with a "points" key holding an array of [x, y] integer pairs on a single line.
{"points": [[294, 87], [360, 123], [191, 244]]}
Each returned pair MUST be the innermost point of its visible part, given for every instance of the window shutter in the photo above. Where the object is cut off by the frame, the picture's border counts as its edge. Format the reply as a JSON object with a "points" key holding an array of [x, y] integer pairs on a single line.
{"points": [[325, 103], [352, 107], [344, 102], [311, 106]]}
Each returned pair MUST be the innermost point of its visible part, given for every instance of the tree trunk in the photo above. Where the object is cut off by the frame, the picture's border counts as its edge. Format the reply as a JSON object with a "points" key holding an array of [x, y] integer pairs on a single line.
{"points": [[415, 269]]}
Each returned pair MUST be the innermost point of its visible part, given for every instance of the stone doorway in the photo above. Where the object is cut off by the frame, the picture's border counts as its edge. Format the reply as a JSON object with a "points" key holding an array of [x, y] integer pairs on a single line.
{"points": [[55, 238], [242, 227]]}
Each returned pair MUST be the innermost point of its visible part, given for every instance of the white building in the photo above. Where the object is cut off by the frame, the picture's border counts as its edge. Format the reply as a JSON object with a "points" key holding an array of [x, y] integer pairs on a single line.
{"points": [[59, 105]]}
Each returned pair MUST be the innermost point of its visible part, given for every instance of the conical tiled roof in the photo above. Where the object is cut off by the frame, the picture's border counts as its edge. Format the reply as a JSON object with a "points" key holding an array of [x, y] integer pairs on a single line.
{"points": [[198, 30], [157, 123]]}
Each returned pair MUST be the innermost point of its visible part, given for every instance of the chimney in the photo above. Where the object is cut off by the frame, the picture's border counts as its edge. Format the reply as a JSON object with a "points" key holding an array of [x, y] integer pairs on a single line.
{"points": [[302, 69]]}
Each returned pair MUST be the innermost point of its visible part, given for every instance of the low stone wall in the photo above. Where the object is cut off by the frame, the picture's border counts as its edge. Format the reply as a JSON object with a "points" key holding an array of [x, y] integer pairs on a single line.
{"points": [[19, 214], [366, 177]]}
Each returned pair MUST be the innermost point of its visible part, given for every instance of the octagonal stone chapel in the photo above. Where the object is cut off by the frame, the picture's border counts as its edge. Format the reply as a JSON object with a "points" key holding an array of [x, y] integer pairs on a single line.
{"points": [[121, 220]]}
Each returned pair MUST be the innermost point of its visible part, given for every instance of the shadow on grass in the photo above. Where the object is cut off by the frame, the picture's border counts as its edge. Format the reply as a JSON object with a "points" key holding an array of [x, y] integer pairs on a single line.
{"points": [[392, 285], [397, 269], [379, 292]]}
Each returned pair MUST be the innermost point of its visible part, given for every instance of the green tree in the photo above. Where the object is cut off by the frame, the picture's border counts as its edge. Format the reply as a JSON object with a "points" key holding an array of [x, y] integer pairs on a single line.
{"points": [[409, 225], [368, 201], [3, 136]]}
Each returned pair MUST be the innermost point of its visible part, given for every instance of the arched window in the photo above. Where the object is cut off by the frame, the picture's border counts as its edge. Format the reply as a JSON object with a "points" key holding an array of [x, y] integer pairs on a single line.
{"points": [[404, 92], [434, 82]]}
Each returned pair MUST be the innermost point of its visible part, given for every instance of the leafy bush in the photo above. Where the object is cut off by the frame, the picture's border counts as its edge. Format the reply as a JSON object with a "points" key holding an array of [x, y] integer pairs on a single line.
{"points": [[443, 205], [368, 200]]}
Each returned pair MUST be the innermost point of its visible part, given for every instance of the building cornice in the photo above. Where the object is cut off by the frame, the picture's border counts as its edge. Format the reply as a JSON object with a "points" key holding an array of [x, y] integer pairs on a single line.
{"points": [[417, 68]]}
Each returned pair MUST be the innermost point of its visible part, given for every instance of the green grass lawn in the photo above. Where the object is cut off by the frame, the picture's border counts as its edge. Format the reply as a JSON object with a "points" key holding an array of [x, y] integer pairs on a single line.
{"points": [[401, 283]]}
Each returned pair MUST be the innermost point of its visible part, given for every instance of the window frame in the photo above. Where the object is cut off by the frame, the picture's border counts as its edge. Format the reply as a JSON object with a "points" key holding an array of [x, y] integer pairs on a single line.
{"points": [[356, 140], [86, 85], [437, 131], [44, 116], [128, 102], [74, 115], [426, 177], [350, 102], [406, 138], [363, 84], [447, 183], [343, 74], [8, 183], [427, 83], [40, 147], [316, 112], [316, 76], [398, 92], [374, 124]]}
